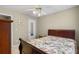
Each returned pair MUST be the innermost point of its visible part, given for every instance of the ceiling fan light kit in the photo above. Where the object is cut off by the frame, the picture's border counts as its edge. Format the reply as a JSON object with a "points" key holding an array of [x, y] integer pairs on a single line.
{"points": [[37, 12]]}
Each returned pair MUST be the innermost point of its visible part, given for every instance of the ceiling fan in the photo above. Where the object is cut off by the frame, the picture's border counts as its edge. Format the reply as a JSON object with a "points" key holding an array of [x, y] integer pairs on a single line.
{"points": [[37, 11]]}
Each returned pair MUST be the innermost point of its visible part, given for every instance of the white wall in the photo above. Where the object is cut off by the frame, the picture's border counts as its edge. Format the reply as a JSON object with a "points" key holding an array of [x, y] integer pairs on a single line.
{"points": [[19, 27], [67, 19]]}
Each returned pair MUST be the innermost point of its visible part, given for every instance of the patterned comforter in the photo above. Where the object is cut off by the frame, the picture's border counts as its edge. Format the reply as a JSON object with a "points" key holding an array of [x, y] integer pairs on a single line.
{"points": [[55, 45]]}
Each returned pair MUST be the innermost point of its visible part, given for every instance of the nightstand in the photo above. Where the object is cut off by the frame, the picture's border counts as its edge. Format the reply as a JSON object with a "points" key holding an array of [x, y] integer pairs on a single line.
{"points": [[40, 36]]}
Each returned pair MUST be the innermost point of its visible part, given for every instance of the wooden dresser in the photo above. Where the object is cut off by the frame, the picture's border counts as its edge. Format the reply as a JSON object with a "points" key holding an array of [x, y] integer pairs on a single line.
{"points": [[5, 36]]}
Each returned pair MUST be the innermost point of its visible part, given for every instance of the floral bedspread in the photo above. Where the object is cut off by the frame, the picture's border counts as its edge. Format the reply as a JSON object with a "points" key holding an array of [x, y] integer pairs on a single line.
{"points": [[55, 45]]}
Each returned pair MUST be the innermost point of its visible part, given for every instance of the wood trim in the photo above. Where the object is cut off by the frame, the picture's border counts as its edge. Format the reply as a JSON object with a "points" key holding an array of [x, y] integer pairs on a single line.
{"points": [[5, 20]]}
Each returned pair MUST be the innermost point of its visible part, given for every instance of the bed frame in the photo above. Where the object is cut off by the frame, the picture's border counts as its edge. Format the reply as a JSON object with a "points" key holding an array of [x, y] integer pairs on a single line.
{"points": [[27, 48], [62, 33]]}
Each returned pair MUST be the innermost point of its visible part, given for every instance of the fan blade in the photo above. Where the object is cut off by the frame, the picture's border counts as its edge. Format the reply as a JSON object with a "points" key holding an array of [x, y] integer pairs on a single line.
{"points": [[30, 9]]}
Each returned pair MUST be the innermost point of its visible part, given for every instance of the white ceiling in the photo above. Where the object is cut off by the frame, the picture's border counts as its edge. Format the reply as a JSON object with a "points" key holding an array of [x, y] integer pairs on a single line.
{"points": [[48, 9]]}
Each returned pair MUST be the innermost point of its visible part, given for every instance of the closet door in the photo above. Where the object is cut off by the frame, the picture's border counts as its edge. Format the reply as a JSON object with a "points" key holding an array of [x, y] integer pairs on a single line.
{"points": [[5, 37]]}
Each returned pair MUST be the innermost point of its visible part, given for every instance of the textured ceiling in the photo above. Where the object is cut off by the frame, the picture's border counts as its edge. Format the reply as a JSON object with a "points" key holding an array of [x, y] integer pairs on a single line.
{"points": [[48, 9]]}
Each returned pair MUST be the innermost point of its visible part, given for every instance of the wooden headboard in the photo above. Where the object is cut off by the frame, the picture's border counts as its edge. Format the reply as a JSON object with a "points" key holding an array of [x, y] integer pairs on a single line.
{"points": [[62, 33]]}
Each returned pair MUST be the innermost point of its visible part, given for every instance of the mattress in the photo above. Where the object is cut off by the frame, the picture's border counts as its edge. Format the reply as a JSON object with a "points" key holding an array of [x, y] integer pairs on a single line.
{"points": [[54, 45]]}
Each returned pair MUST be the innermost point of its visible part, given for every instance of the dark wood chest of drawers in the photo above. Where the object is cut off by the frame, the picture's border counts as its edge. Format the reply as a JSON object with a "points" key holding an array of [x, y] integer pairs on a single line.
{"points": [[5, 36]]}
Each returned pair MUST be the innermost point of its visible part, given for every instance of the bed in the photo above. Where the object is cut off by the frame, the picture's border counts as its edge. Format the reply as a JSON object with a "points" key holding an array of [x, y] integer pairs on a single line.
{"points": [[57, 42]]}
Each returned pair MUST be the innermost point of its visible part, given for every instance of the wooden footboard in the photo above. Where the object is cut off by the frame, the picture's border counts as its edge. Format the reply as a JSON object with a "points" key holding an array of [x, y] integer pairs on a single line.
{"points": [[26, 48]]}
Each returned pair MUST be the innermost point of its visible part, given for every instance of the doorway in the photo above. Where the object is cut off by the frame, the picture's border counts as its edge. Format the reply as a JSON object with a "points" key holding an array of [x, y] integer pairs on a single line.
{"points": [[31, 29]]}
